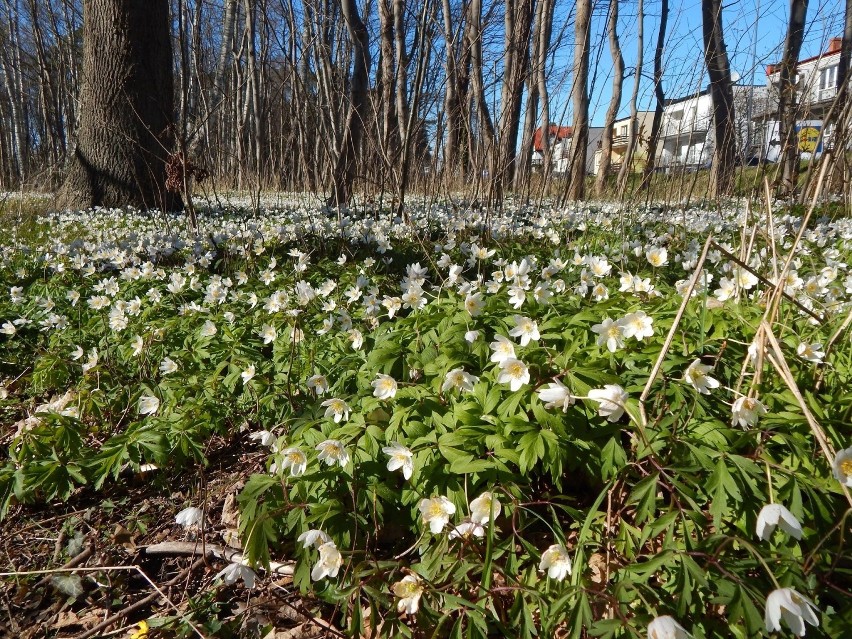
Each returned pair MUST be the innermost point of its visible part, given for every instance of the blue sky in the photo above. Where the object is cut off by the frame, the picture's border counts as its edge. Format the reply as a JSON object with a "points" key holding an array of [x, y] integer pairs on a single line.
{"points": [[754, 33]]}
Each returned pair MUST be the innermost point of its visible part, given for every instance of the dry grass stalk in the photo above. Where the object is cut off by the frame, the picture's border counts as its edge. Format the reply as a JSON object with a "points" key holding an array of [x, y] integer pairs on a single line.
{"points": [[776, 357], [699, 267]]}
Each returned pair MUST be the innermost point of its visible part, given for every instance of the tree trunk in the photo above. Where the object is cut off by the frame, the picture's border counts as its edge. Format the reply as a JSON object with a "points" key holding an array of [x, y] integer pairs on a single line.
{"points": [[517, 23], [485, 125], [126, 108], [657, 122], [615, 101], [788, 110], [580, 99], [346, 166], [724, 127]]}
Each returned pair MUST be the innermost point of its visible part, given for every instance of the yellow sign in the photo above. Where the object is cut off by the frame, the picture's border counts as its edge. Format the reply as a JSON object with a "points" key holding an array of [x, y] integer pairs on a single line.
{"points": [[808, 138]]}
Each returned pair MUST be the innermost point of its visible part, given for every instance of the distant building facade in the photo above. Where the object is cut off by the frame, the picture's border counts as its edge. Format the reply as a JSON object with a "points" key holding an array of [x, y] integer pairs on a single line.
{"points": [[620, 139], [686, 135], [816, 87]]}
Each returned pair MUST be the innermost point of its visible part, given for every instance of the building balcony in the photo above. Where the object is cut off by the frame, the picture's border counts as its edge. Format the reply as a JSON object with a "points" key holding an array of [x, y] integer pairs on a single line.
{"points": [[679, 130], [826, 94], [620, 141]]}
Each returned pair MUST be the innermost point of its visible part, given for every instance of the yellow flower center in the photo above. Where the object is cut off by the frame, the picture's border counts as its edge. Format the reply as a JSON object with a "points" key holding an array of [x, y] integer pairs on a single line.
{"points": [[846, 467]]}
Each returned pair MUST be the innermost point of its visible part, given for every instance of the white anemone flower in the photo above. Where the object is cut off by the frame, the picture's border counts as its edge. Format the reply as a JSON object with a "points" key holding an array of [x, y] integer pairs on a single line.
{"points": [[638, 325], [236, 571], [313, 537], [189, 517], [336, 409], [810, 352], [842, 467], [295, 460], [792, 607], [330, 561], [208, 330], [467, 529], [513, 372], [384, 386], [268, 333], [168, 366], [665, 627], [409, 590], [458, 379], [746, 411], [556, 395], [318, 384], [148, 405], [400, 458], [611, 399], [436, 512], [697, 377], [525, 329], [263, 437], [474, 304], [485, 508], [248, 374], [331, 451], [503, 348], [556, 561], [773, 515], [610, 333]]}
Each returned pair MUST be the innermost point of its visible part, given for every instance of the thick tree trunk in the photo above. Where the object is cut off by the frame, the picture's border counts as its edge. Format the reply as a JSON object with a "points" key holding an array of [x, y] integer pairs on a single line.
{"points": [[788, 110], [615, 101], [657, 122], [580, 99], [483, 122], [126, 108], [345, 169], [724, 129], [517, 24]]}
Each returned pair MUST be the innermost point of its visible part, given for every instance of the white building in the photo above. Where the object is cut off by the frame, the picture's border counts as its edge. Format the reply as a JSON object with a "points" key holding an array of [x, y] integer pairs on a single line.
{"points": [[816, 87], [686, 134]]}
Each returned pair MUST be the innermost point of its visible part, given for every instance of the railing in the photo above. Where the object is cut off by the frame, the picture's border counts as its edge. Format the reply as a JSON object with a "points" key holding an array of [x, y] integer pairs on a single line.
{"points": [[620, 140], [826, 94]]}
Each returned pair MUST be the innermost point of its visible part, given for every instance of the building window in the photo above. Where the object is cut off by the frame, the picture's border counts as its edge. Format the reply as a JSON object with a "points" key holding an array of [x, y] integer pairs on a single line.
{"points": [[828, 78]]}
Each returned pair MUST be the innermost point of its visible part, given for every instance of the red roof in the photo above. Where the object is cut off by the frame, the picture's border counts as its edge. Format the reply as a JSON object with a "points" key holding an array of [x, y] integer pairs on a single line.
{"points": [[556, 131], [834, 45]]}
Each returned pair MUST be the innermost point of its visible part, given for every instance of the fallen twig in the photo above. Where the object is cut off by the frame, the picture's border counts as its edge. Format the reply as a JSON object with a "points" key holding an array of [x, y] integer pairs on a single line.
{"points": [[285, 568], [124, 612]]}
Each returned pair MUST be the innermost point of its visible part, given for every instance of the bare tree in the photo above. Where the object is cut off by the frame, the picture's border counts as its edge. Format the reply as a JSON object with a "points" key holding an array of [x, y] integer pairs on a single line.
{"points": [[787, 104], [580, 100], [660, 99], [517, 23], [724, 126], [346, 167], [615, 100]]}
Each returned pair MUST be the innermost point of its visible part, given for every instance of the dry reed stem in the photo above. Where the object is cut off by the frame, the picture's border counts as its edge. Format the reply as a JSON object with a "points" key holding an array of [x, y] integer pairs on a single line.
{"points": [[699, 267], [780, 363]]}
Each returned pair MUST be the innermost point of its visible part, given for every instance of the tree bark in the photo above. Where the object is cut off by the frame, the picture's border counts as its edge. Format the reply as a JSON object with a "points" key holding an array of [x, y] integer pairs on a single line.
{"points": [[580, 99], [657, 122], [126, 108], [346, 167], [633, 126], [788, 110], [517, 24], [486, 126], [724, 128], [615, 101]]}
